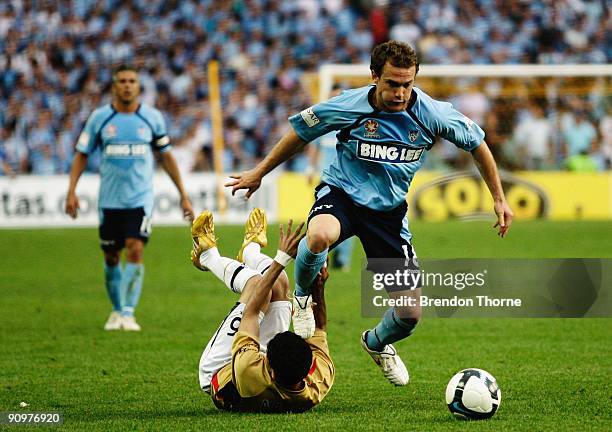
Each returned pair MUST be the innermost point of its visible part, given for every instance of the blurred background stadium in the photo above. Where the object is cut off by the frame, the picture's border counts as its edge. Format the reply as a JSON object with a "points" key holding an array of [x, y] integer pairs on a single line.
{"points": [[56, 59]]}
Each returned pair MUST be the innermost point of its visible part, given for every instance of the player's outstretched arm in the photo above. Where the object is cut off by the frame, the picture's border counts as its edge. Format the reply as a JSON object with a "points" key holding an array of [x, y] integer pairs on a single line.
{"points": [[287, 249], [488, 170], [287, 146], [79, 163], [318, 299], [169, 165]]}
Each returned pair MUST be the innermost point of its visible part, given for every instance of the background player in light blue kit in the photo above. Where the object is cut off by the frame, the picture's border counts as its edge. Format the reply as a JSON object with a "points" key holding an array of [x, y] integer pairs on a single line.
{"points": [[128, 135], [385, 131]]}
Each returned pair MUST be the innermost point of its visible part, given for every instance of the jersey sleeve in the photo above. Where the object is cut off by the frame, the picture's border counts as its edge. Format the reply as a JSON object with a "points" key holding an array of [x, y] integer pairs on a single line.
{"points": [[249, 372], [320, 119], [87, 140], [161, 140], [457, 128], [321, 375]]}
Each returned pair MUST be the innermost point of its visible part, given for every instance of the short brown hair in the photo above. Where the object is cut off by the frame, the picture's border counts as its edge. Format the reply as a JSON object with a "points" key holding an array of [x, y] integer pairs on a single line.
{"points": [[399, 54], [123, 68]]}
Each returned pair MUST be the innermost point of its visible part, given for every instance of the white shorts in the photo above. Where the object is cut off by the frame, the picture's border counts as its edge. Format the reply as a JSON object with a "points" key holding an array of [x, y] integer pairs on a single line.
{"points": [[218, 352]]}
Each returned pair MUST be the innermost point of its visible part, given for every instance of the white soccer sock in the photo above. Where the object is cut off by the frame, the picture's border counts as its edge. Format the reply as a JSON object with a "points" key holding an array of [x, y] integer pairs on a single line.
{"points": [[255, 259], [233, 273]]}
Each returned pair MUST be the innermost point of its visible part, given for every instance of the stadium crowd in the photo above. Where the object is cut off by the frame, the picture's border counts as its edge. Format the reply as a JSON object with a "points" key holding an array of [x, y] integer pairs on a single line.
{"points": [[56, 60]]}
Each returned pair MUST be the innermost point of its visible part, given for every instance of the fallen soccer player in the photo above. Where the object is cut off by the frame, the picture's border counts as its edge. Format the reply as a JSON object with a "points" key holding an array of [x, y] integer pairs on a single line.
{"points": [[253, 362]]}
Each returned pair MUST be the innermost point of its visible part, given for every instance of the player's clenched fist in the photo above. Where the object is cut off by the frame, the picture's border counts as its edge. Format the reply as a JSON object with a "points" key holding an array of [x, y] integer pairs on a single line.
{"points": [[72, 205]]}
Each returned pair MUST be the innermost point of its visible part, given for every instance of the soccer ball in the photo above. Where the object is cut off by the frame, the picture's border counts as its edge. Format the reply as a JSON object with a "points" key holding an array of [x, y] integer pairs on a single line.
{"points": [[473, 394]]}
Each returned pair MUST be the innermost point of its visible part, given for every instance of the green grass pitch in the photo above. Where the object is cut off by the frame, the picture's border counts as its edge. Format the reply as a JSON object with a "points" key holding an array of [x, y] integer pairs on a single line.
{"points": [[554, 374]]}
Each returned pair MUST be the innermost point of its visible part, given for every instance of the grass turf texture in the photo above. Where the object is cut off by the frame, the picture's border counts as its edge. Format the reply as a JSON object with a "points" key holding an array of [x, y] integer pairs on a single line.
{"points": [[554, 374]]}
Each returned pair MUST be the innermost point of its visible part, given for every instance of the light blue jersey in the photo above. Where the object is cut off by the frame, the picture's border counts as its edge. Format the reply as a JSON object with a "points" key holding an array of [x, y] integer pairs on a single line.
{"points": [[327, 149], [379, 152], [126, 141]]}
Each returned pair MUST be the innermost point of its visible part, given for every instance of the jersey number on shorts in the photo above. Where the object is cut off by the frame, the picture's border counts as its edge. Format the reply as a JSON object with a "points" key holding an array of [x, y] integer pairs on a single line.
{"points": [[406, 251], [145, 226], [410, 261]]}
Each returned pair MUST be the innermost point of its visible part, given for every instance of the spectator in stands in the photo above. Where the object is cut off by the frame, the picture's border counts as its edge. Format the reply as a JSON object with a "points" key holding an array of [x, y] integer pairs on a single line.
{"points": [[495, 136], [472, 102], [65, 137], [14, 149], [605, 130], [406, 29], [41, 142], [5, 167], [579, 135], [533, 138]]}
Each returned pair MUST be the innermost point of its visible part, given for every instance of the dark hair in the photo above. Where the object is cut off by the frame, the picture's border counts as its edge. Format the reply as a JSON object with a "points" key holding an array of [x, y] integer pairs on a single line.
{"points": [[123, 68], [399, 54], [290, 358]]}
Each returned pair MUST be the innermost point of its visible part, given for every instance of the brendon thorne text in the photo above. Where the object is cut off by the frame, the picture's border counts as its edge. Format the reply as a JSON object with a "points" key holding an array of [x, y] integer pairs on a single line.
{"points": [[425, 301]]}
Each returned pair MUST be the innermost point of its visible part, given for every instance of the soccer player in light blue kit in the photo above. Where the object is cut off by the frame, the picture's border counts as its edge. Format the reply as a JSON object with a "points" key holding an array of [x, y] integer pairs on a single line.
{"points": [[128, 134], [385, 130]]}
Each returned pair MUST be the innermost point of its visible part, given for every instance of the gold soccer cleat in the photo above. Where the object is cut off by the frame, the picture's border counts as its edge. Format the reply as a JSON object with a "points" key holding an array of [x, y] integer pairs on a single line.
{"points": [[204, 238], [254, 231]]}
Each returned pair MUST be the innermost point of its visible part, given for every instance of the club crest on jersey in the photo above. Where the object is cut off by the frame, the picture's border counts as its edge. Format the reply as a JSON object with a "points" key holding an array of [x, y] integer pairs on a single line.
{"points": [[111, 130], [413, 135], [388, 152], [371, 129], [142, 133]]}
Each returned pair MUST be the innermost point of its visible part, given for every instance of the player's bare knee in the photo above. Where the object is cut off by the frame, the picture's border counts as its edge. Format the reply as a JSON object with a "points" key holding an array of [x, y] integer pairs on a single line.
{"points": [[318, 240], [134, 256], [134, 250], [249, 288], [323, 231], [280, 289]]}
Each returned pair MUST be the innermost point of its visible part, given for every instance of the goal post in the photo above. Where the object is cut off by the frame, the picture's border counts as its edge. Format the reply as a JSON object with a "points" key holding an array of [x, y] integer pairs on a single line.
{"points": [[217, 128]]}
